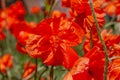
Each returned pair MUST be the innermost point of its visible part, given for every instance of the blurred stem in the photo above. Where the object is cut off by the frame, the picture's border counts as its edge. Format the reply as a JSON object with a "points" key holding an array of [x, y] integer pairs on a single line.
{"points": [[3, 4], [101, 39], [50, 10], [91, 40], [7, 41], [36, 62], [46, 68], [52, 6], [7, 32], [52, 73], [3, 77]]}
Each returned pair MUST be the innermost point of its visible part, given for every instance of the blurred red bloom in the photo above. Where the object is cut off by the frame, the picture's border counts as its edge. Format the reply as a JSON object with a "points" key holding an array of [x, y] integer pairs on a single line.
{"points": [[57, 14], [16, 10], [2, 35], [35, 10], [5, 62], [82, 14], [29, 70], [112, 7], [21, 31], [89, 67], [111, 41], [114, 70], [53, 40]]}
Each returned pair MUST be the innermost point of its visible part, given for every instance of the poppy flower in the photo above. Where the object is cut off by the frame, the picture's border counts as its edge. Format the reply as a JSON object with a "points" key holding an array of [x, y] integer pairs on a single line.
{"points": [[89, 67], [82, 14], [111, 40], [5, 62], [21, 31], [2, 35], [35, 10], [112, 7], [53, 40], [29, 70], [114, 70], [16, 10]]}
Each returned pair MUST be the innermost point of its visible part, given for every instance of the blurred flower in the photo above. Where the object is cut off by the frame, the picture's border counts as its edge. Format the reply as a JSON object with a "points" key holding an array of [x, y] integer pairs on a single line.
{"points": [[57, 14], [82, 14], [114, 70], [111, 40], [21, 31], [29, 70], [35, 10], [89, 67], [53, 40], [16, 11], [2, 35], [112, 7], [5, 63]]}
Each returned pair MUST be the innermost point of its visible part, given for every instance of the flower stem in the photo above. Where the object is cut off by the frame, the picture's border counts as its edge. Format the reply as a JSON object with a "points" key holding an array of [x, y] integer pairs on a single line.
{"points": [[36, 62], [91, 40], [5, 26], [50, 10], [46, 68], [52, 73], [102, 41]]}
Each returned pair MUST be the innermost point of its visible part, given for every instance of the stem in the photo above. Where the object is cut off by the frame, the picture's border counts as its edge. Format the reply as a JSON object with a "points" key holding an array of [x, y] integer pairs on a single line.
{"points": [[46, 68], [36, 62], [3, 4], [7, 41], [7, 32], [91, 40], [51, 2], [3, 77], [102, 41], [52, 73]]}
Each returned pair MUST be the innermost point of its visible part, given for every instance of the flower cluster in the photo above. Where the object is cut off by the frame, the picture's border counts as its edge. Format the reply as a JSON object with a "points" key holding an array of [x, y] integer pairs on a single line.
{"points": [[57, 37]]}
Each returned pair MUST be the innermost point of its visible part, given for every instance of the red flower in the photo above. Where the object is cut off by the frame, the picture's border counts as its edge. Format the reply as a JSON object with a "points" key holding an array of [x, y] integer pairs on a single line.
{"points": [[53, 40], [35, 10], [82, 14], [114, 70], [29, 70], [5, 62], [21, 31], [89, 67], [112, 7], [16, 11], [2, 36]]}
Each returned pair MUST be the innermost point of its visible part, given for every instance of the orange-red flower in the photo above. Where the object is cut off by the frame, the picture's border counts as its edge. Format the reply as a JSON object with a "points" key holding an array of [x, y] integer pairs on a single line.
{"points": [[111, 40], [114, 70], [5, 62], [89, 67], [29, 70], [82, 14], [16, 11], [53, 40], [35, 10], [2, 35], [21, 31], [112, 7]]}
